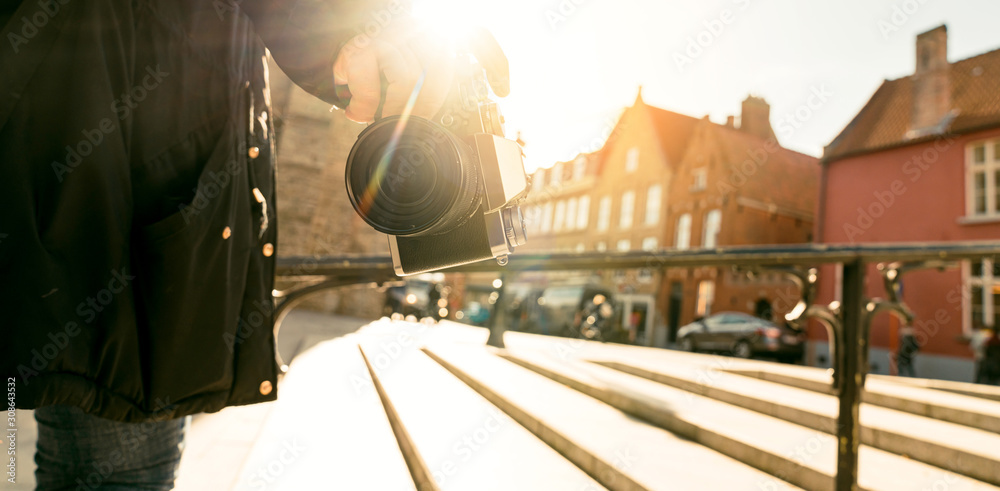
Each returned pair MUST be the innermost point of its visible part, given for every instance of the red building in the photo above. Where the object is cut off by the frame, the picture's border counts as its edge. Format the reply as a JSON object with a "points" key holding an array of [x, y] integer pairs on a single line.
{"points": [[921, 162]]}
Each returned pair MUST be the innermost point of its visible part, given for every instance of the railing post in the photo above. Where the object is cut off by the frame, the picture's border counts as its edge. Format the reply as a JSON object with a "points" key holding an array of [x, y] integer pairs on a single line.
{"points": [[496, 327], [848, 429]]}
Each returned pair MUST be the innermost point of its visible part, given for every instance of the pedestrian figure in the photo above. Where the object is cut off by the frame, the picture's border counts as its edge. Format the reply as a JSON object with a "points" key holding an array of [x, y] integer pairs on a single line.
{"points": [[978, 345], [433, 296], [991, 360], [908, 348], [138, 204]]}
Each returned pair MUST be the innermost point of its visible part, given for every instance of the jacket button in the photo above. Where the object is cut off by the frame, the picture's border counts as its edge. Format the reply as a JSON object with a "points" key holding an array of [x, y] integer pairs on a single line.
{"points": [[265, 387], [226, 233], [253, 152], [268, 249]]}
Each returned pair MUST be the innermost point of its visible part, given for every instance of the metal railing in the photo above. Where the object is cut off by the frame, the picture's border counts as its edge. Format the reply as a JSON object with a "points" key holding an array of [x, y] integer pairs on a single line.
{"points": [[848, 322]]}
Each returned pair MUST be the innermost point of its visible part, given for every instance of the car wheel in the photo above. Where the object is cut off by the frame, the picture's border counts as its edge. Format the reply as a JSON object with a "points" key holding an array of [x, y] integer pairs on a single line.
{"points": [[742, 349], [688, 345]]}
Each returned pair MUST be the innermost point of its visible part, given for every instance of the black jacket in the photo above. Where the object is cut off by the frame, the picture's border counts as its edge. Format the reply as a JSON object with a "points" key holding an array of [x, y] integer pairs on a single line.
{"points": [[136, 257]]}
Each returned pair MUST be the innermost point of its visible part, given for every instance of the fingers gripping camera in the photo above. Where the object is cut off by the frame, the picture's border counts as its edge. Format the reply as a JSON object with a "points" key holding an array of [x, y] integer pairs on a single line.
{"points": [[446, 191]]}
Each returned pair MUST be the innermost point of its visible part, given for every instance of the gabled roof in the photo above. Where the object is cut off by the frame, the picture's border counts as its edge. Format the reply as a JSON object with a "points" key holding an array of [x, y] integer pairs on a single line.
{"points": [[673, 131], [787, 179], [885, 120]]}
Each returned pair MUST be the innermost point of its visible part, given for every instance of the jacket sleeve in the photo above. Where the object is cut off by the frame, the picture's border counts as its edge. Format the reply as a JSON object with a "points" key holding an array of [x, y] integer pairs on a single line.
{"points": [[304, 36]]}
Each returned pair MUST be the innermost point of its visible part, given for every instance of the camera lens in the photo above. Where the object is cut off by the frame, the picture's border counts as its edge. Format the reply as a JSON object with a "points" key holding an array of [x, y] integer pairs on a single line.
{"points": [[412, 177]]}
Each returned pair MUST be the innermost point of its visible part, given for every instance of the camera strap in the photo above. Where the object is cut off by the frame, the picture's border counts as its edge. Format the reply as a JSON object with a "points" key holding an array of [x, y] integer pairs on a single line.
{"points": [[383, 90], [344, 94]]}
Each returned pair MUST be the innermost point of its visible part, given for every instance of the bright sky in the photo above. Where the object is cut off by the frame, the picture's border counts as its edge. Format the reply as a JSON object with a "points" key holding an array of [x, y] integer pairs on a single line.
{"points": [[575, 64]]}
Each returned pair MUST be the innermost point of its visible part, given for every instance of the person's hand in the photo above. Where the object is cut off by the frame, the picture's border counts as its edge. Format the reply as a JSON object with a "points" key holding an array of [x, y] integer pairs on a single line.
{"points": [[411, 59]]}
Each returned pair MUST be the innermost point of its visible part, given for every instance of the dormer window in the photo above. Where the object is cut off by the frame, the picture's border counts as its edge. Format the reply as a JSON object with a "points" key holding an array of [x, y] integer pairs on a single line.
{"points": [[700, 179], [632, 160]]}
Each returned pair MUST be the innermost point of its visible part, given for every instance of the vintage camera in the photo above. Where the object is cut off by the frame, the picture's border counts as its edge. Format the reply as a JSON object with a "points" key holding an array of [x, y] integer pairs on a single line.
{"points": [[446, 191]]}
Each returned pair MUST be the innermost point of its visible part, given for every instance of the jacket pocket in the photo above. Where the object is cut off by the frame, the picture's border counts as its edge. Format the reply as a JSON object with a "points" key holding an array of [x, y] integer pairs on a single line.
{"points": [[191, 270]]}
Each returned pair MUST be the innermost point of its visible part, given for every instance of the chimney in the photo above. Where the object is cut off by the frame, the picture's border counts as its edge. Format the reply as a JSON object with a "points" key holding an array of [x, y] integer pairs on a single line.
{"points": [[755, 118], [730, 121], [931, 82]]}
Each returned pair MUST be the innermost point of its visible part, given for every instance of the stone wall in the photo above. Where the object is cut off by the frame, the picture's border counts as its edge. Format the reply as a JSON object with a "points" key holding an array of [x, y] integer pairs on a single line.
{"points": [[314, 215]]}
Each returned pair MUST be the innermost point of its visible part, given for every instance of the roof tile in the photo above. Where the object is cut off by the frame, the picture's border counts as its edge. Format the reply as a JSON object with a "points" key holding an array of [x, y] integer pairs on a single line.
{"points": [[885, 120]]}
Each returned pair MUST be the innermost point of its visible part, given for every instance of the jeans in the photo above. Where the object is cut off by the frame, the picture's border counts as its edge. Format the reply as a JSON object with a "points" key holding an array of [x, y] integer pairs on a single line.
{"points": [[80, 452]]}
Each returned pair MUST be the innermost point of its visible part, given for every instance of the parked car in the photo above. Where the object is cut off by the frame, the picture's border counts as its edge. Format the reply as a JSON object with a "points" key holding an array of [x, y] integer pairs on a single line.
{"points": [[743, 336]]}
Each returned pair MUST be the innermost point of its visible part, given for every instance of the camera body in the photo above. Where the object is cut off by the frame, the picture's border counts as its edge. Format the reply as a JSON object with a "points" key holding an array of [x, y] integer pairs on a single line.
{"points": [[446, 191]]}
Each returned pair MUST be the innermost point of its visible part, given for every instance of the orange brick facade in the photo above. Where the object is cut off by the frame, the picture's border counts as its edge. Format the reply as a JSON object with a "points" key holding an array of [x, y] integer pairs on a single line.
{"points": [[315, 218], [660, 180]]}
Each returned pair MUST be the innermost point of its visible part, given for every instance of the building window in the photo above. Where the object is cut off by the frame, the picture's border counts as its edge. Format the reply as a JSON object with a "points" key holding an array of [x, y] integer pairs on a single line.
{"points": [[560, 216], [682, 238], [601, 246], [547, 218], [653, 197], [580, 247], [534, 218], [700, 179], [632, 159], [713, 224], [645, 275], [983, 179], [538, 182], [984, 283], [571, 214], [706, 295], [583, 213], [579, 168], [650, 244], [604, 214], [623, 245], [628, 209]]}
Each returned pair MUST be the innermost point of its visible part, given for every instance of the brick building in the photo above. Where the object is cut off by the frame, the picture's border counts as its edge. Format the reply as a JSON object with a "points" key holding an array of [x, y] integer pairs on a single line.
{"points": [[664, 180], [315, 218], [921, 162]]}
